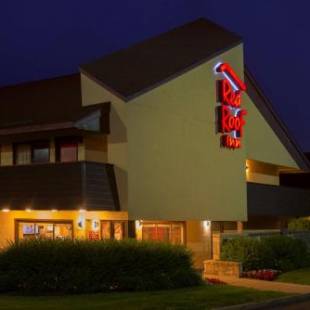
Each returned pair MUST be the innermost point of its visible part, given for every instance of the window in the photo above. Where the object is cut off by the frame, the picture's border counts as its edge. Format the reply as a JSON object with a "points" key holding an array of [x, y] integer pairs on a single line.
{"points": [[164, 232], [26, 153], [40, 152], [67, 149], [68, 152], [44, 230], [22, 154], [112, 230]]}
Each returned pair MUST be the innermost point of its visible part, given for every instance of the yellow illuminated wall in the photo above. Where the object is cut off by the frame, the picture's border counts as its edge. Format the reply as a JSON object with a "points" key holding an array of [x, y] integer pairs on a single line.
{"points": [[167, 154], [176, 167], [262, 143], [7, 220], [93, 93]]}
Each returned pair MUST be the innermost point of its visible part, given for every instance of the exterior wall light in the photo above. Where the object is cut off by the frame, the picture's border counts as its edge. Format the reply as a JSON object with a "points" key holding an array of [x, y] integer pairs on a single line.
{"points": [[54, 210], [95, 225], [206, 224], [5, 210], [28, 210], [81, 222], [82, 210], [138, 224]]}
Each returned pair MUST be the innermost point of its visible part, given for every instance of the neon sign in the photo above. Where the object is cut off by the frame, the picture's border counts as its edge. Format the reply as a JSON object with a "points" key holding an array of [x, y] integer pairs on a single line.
{"points": [[230, 114]]}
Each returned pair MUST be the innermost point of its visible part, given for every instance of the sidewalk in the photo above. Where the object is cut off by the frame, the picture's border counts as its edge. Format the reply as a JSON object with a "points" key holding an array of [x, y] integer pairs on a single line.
{"points": [[265, 285]]}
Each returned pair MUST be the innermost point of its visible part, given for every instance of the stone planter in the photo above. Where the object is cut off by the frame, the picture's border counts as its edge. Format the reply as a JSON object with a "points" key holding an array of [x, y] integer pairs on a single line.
{"points": [[222, 268]]}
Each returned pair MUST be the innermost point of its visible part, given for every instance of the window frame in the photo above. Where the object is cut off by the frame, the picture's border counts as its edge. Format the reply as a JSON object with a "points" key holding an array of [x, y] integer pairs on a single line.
{"points": [[36, 145], [66, 141], [170, 223], [32, 145], [45, 221], [124, 224]]}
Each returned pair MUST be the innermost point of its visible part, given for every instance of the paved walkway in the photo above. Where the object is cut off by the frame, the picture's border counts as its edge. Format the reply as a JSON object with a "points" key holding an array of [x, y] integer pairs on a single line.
{"points": [[265, 285]]}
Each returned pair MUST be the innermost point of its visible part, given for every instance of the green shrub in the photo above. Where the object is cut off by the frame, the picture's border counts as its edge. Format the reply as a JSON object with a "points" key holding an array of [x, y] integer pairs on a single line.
{"points": [[287, 253], [276, 252], [249, 251], [46, 266], [299, 224]]}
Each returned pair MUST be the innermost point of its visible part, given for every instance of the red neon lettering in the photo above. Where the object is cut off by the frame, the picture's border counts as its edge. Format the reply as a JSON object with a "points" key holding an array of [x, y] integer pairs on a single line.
{"points": [[230, 142], [231, 116], [225, 67], [228, 95], [231, 122]]}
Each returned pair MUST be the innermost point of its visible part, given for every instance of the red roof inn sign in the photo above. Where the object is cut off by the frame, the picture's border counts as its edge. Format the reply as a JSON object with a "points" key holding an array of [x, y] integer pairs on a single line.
{"points": [[230, 116]]}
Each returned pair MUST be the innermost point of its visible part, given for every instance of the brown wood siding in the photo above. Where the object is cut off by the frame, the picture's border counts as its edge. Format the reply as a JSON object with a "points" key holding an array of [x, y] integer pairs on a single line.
{"points": [[100, 186], [63, 186]]}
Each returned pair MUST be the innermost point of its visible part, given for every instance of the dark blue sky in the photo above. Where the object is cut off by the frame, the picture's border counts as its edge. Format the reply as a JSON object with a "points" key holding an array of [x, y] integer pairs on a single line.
{"points": [[43, 39]]}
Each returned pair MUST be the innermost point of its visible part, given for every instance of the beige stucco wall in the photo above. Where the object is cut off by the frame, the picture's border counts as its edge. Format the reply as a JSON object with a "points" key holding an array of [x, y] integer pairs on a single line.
{"points": [[177, 169], [93, 93], [96, 148], [262, 143], [173, 165], [7, 220], [259, 172], [198, 240]]}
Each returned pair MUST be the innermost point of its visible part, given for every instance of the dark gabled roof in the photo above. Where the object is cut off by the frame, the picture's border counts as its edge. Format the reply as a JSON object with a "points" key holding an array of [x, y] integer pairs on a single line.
{"points": [[47, 105], [264, 106], [134, 70]]}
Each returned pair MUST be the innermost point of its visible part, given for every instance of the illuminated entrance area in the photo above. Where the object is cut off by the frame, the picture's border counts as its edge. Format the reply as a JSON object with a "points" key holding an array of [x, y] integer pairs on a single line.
{"points": [[113, 230], [44, 230], [61, 225]]}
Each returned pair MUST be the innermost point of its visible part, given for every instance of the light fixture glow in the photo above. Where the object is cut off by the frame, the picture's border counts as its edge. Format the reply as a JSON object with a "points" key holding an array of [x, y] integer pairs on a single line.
{"points": [[28, 210], [5, 210], [206, 224]]}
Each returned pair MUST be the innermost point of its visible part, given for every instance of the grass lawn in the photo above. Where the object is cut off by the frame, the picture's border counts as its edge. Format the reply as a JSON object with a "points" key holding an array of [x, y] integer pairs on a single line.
{"points": [[203, 297], [301, 276]]}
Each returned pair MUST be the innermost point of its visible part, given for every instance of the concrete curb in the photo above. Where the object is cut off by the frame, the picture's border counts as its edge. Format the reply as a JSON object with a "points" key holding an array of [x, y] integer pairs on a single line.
{"points": [[269, 304]]}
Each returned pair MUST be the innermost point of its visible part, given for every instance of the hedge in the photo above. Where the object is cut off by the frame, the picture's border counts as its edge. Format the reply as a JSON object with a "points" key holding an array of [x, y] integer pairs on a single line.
{"points": [[47, 266], [300, 224], [277, 252]]}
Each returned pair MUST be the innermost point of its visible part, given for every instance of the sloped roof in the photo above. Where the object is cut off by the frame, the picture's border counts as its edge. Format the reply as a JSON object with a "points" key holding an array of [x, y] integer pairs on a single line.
{"points": [[264, 106], [134, 70], [51, 104]]}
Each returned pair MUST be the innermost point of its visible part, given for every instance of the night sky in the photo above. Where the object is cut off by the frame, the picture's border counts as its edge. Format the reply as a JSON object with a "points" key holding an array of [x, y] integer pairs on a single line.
{"points": [[44, 39]]}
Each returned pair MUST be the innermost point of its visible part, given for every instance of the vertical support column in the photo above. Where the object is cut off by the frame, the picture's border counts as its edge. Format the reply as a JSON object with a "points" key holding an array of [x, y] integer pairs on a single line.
{"points": [[81, 150], [52, 151], [132, 229], [240, 227], [216, 245]]}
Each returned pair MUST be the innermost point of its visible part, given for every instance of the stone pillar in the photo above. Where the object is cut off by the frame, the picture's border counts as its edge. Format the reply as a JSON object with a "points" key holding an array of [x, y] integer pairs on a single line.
{"points": [[216, 246]]}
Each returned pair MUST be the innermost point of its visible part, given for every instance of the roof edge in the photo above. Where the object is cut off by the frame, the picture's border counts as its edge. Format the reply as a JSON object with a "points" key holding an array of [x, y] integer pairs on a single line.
{"points": [[272, 118], [164, 81]]}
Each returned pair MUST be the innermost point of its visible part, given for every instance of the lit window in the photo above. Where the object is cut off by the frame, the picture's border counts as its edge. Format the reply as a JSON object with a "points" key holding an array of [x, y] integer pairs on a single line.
{"points": [[113, 230], [68, 152], [22, 154], [164, 232], [44, 230]]}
